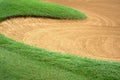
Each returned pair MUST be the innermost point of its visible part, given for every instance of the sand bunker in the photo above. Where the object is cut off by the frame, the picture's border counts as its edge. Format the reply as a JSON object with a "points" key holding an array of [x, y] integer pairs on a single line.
{"points": [[97, 37]]}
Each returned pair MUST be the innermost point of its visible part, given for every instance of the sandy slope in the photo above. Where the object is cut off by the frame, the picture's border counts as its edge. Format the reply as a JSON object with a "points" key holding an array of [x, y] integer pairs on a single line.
{"points": [[97, 37]]}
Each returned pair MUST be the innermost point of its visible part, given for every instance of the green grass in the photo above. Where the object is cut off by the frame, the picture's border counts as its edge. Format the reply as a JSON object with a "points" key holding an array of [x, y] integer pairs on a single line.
{"points": [[37, 8], [22, 62]]}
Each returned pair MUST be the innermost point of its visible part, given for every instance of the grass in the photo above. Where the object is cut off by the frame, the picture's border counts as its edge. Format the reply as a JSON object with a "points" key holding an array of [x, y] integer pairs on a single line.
{"points": [[22, 62], [37, 8]]}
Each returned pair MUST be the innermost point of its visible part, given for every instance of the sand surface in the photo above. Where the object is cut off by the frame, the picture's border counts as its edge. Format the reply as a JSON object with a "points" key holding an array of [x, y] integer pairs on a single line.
{"points": [[97, 37]]}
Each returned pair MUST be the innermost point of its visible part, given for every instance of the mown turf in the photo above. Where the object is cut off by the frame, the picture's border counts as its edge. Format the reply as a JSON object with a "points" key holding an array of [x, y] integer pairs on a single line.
{"points": [[22, 62], [37, 8]]}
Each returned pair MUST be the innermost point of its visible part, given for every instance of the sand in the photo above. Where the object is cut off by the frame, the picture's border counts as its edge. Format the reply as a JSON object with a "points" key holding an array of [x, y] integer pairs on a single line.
{"points": [[97, 37]]}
